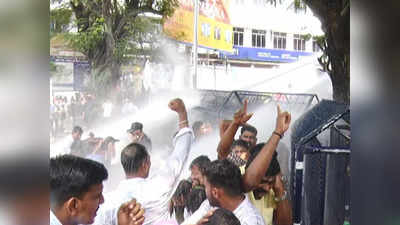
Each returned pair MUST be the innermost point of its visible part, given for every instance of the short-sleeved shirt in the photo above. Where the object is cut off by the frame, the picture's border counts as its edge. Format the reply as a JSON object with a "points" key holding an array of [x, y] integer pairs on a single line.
{"points": [[245, 212]]}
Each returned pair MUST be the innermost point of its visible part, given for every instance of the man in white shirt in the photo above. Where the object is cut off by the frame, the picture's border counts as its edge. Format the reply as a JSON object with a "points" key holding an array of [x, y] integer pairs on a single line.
{"points": [[155, 192], [76, 193], [224, 189]]}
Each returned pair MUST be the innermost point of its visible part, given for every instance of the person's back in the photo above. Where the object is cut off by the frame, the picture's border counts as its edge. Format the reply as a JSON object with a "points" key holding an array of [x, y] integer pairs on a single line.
{"points": [[154, 192]]}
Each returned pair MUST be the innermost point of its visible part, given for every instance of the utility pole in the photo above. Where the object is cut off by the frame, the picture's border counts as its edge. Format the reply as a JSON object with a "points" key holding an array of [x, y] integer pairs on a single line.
{"points": [[196, 14]]}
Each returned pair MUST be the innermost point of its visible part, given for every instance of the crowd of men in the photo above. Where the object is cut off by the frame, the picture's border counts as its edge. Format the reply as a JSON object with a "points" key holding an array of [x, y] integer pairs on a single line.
{"points": [[85, 109], [243, 186]]}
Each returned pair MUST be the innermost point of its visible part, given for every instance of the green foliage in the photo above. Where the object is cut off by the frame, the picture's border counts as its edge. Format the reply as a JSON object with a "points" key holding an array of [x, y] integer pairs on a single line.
{"points": [[167, 7], [323, 59], [60, 19], [99, 83], [53, 68], [113, 32], [90, 39], [307, 37]]}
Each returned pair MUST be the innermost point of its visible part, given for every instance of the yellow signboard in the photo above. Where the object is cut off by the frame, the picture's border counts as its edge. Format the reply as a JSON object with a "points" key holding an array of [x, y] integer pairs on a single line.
{"points": [[214, 28]]}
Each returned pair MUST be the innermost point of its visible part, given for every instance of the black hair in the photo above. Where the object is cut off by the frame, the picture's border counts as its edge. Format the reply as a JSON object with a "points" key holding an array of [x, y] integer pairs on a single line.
{"points": [[183, 190], [132, 157], [195, 198], [224, 174], [273, 168], [241, 143], [77, 129], [222, 216], [202, 162], [72, 176], [249, 128]]}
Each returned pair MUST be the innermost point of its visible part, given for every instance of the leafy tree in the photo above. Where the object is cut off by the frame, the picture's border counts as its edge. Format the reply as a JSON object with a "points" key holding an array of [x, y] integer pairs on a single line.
{"points": [[60, 19], [110, 32], [335, 21], [334, 16]]}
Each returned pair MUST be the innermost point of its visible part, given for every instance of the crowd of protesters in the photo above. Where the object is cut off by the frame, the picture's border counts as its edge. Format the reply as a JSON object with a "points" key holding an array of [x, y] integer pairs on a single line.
{"points": [[243, 186], [86, 110]]}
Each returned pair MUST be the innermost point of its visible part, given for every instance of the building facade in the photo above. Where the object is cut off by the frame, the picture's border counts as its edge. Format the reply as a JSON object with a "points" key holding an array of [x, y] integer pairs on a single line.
{"points": [[267, 34]]}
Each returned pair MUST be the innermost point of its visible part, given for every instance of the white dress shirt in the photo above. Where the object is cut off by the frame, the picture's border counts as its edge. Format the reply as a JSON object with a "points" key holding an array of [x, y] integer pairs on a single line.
{"points": [[153, 193], [245, 212], [53, 219]]}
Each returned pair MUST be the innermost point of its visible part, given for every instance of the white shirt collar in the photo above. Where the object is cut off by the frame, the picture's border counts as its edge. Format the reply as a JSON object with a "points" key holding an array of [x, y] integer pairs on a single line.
{"points": [[53, 219]]}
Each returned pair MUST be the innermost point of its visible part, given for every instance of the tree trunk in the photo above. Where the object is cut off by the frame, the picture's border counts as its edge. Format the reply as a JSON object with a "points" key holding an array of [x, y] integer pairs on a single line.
{"points": [[335, 22]]}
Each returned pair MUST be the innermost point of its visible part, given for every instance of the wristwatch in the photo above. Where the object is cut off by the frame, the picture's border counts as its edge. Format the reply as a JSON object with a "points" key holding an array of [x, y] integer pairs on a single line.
{"points": [[283, 197]]}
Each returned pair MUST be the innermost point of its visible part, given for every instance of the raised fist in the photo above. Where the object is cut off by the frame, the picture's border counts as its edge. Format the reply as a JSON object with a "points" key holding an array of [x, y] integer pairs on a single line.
{"points": [[177, 105], [282, 121]]}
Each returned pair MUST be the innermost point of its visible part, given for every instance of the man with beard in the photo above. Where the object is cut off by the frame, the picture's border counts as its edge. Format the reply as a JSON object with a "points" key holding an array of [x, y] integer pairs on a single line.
{"points": [[76, 193], [269, 195], [264, 179], [197, 168], [223, 183]]}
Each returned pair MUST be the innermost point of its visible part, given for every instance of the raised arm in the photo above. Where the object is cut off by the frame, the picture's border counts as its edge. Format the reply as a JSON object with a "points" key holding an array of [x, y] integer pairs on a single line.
{"points": [[183, 139], [178, 106], [239, 118], [259, 166]]}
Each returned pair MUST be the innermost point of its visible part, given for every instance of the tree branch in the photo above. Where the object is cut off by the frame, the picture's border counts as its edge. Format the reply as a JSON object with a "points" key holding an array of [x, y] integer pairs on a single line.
{"points": [[132, 14]]}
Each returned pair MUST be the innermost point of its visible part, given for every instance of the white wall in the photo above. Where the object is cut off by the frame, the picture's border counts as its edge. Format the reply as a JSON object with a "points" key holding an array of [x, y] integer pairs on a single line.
{"points": [[278, 19]]}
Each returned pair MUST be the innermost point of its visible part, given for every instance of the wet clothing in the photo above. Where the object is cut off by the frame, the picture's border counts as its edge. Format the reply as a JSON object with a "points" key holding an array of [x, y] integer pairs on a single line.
{"points": [[153, 193], [245, 212]]}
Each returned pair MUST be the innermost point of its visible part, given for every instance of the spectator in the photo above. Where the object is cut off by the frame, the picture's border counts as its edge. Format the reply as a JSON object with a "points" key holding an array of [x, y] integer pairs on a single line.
{"points": [[76, 193], [77, 147], [223, 183], [63, 117], [138, 136], [152, 192], [105, 152], [201, 129]]}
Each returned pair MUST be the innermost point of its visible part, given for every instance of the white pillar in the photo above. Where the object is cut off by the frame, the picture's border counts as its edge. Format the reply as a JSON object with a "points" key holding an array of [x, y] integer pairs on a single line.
{"points": [[195, 55]]}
